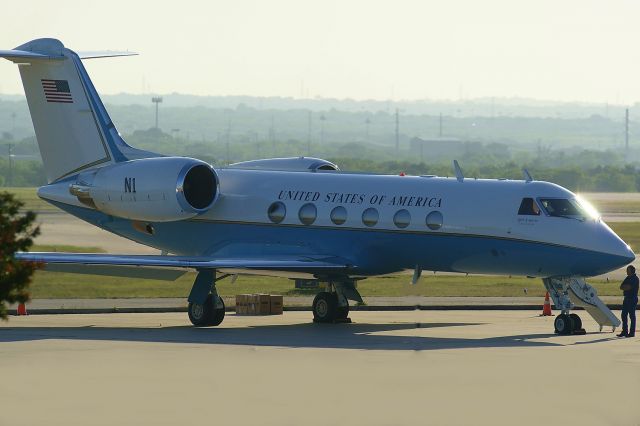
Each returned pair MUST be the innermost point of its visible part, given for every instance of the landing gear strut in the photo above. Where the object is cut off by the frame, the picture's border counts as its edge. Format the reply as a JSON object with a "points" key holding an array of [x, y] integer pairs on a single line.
{"points": [[206, 308], [332, 306]]}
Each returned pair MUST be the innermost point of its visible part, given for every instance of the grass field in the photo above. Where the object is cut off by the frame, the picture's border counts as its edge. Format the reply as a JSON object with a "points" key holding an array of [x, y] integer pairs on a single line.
{"points": [[629, 232], [31, 200], [66, 248], [61, 285]]}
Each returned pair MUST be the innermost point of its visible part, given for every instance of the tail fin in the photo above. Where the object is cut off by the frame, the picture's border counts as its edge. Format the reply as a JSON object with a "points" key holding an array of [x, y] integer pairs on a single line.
{"points": [[73, 129]]}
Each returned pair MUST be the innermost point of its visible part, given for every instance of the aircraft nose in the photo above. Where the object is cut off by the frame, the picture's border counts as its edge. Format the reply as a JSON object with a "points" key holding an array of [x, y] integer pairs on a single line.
{"points": [[621, 249], [627, 253]]}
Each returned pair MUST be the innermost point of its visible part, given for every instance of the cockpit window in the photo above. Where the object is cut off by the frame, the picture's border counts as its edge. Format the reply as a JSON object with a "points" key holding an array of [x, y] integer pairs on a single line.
{"points": [[528, 207], [588, 208], [560, 207]]}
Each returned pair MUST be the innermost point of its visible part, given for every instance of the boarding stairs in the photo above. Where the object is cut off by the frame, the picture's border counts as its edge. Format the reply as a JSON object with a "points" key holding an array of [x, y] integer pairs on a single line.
{"points": [[569, 292]]}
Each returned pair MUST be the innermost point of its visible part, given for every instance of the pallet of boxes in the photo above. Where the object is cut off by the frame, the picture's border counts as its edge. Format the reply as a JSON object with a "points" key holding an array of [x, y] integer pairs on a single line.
{"points": [[258, 304]]}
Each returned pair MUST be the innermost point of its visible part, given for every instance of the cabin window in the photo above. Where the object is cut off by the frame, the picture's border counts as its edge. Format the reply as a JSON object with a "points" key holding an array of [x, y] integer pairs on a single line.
{"points": [[307, 214], [561, 207], [339, 215], [370, 217], [434, 220], [402, 218], [529, 207], [277, 211]]}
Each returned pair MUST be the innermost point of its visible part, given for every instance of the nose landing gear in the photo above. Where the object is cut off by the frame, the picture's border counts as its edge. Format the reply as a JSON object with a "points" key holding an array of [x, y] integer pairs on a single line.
{"points": [[568, 324], [569, 292]]}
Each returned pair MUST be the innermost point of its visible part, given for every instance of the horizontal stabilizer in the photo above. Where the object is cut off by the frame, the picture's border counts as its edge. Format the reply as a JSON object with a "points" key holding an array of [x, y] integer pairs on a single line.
{"points": [[17, 55], [104, 54]]}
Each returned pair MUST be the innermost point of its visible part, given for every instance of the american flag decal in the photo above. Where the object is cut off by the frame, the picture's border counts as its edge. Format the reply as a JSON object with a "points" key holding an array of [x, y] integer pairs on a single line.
{"points": [[57, 91]]}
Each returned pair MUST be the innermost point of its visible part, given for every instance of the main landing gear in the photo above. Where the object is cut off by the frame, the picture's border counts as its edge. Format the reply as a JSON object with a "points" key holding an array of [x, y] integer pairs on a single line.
{"points": [[210, 313], [206, 308], [332, 305]]}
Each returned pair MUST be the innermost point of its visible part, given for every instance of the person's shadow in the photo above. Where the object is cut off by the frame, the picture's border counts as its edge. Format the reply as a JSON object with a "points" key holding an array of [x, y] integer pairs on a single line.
{"points": [[302, 335]]}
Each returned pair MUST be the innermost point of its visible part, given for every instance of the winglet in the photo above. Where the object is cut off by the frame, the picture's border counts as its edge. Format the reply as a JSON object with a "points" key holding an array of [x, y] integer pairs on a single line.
{"points": [[527, 175], [458, 170]]}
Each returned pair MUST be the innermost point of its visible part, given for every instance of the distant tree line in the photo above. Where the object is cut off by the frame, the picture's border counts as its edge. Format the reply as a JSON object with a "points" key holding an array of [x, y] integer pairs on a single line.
{"points": [[578, 179], [591, 179], [574, 168]]}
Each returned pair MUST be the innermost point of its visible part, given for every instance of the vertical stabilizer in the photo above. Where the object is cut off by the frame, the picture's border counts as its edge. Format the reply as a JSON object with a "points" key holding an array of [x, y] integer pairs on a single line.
{"points": [[73, 129]]}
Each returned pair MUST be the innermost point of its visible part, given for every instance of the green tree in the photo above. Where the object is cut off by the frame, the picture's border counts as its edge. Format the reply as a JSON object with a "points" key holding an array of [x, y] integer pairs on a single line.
{"points": [[17, 231]]}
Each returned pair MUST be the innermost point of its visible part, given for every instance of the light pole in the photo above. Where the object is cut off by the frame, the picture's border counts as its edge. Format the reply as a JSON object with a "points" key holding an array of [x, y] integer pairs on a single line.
{"points": [[175, 137], [322, 120], [10, 164], [309, 134], [367, 122], [156, 100], [397, 131]]}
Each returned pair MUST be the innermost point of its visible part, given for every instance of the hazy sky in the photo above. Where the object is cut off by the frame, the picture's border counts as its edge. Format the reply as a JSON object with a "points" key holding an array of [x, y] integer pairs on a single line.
{"points": [[574, 50]]}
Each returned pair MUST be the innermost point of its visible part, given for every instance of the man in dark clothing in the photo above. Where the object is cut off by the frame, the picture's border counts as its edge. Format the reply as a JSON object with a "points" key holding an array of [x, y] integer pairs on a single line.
{"points": [[630, 288]]}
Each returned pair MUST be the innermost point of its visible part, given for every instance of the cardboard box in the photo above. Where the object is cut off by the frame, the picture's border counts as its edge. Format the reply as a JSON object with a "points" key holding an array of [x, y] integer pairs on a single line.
{"points": [[240, 304], [258, 304], [252, 304], [263, 304], [276, 305]]}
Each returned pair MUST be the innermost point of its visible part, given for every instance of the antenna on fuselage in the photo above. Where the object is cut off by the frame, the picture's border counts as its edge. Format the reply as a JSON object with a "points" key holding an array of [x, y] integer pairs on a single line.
{"points": [[458, 171], [527, 175]]}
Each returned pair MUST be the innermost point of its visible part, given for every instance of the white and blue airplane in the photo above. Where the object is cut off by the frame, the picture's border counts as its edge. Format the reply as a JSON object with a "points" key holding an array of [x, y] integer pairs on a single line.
{"points": [[297, 217]]}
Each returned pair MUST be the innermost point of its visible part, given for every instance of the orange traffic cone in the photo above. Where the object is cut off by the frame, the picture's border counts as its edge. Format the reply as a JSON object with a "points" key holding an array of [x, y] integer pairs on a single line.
{"points": [[546, 308], [22, 309]]}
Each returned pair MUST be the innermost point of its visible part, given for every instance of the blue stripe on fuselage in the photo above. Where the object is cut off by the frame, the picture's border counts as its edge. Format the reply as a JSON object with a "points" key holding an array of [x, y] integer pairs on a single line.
{"points": [[373, 252]]}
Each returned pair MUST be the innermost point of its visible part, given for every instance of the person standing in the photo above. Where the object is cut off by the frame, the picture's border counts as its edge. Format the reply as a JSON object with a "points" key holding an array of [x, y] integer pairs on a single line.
{"points": [[630, 290]]}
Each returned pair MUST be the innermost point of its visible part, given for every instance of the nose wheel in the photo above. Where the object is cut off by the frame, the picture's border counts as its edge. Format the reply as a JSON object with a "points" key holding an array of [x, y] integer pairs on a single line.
{"points": [[566, 324]]}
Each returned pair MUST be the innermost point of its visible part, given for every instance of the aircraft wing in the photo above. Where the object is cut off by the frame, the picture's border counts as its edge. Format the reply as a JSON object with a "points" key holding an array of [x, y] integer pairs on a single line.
{"points": [[301, 264]]}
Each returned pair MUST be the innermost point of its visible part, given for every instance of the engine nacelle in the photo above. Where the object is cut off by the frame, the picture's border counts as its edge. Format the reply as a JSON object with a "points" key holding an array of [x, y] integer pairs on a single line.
{"points": [[159, 189]]}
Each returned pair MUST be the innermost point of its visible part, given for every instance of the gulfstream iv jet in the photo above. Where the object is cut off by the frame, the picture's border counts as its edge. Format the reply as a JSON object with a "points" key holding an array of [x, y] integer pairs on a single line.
{"points": [[297, 217]]}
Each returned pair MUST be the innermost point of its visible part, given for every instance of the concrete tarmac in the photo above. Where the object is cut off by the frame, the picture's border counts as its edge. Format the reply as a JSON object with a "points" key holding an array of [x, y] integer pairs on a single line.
{"points": [[387, 368]]}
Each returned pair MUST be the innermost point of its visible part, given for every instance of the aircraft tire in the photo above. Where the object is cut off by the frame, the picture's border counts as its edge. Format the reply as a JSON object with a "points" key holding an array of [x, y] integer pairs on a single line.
{"points": [[201, 315], [217, 315], [577, 321], [563, 324], [325, 307]]}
